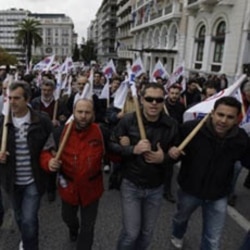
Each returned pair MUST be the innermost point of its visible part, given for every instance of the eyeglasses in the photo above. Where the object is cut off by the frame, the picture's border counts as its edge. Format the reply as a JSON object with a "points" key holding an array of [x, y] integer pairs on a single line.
{"points": [[156, 99]]}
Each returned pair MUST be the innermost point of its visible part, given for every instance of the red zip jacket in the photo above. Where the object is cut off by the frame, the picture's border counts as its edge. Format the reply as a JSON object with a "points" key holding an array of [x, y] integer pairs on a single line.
{"points": [[81, 166]]}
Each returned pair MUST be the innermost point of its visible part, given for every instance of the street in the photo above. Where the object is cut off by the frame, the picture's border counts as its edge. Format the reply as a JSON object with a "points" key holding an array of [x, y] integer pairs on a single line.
{"points": [[54, 234]]}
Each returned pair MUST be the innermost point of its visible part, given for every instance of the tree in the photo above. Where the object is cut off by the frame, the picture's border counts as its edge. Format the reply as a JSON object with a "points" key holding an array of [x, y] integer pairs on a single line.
{"points": [[28, 35], [6, 58], [88, 51], [76, 54]]}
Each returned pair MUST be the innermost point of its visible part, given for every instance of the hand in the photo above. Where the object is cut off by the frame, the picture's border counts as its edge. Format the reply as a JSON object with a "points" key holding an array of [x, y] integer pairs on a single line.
{"points": [[156, 157], [175, 153], [54, 164], [62, 118], [55, 123], [120, 115], [142, 146], [3, 157], [124, 140]]}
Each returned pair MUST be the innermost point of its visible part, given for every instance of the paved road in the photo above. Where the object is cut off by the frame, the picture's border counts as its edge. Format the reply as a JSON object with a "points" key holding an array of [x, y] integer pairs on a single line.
{"points": [[54, 234]]}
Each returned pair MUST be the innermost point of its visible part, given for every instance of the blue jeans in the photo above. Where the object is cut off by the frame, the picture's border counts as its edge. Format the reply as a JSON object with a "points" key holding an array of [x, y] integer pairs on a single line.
{"points": [[1, 208], [213, 215], [26, 203], [237, 170], [140, 209]]}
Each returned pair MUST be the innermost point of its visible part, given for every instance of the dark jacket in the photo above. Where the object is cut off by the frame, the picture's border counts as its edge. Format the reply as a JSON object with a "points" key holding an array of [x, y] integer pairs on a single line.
{"points": [[39, 136], [134, 168], [208, 164], [176, 110], [62, 108]]}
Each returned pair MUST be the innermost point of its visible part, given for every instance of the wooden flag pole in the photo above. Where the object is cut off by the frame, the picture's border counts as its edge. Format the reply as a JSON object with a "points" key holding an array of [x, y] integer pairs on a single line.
{"points": [[139, 119], [193, 133], [55, 110], [64, 140]]}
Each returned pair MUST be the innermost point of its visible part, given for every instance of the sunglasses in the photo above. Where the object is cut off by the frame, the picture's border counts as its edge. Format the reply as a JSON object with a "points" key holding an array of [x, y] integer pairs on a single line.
{"points": [[156, 99]]}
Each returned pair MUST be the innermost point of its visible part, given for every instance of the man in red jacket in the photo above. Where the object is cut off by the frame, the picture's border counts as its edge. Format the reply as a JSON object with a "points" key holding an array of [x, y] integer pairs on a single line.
{"points": [[80, 175]]}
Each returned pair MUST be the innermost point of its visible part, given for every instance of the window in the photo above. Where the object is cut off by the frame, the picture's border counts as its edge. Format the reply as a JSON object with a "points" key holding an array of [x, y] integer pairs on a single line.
{"points": [[219, 41], [200, 42]]}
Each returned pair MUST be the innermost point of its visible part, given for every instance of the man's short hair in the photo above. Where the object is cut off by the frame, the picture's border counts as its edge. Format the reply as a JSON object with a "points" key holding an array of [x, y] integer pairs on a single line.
{"points": [[154, 86], [24, 85], [228, 101], [175, 86], [49, 82]]}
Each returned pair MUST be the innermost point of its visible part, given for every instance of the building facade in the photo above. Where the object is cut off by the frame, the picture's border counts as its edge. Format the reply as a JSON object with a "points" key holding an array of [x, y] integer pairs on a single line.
{"points": [[57, 31], [106, 31], [208, 36], [124, 38], [218, 37], [8, 26], [158, 32]]}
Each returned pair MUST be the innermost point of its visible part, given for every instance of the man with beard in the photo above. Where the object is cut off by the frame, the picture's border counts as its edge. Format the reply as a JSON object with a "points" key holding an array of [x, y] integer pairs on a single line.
{"points": [[175, 109], [80, 170]]}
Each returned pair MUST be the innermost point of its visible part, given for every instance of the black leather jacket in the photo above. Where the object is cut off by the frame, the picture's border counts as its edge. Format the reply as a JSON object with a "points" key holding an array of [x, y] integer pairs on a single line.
{"points": [[134, 168]]}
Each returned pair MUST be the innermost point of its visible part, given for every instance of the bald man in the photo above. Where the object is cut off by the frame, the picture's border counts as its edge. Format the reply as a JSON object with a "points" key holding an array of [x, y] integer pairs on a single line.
{"points": [[80, 170]]}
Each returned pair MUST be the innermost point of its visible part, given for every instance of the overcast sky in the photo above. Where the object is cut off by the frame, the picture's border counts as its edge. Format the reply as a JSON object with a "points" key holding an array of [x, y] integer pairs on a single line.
{"points": [[81, 11]]}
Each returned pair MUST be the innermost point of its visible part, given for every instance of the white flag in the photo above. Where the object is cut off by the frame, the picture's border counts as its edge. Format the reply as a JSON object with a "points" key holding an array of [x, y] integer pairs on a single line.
{"points": [[121, 95], [105, 91], [205, 107]]}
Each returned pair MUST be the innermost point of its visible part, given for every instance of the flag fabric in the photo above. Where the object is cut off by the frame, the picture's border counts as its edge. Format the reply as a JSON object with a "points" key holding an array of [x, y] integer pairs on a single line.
{"points": [[58, 88], [67, 88], [109, 69], [105, 91], [121, 95], [205, 107], [55, 67], [178, 73], [67, 65], [159, 71], [137, 67], [6, 101], [45, 64]]}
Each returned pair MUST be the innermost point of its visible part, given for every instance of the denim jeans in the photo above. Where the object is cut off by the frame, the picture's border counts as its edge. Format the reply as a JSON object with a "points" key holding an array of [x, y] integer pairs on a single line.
{"points": [[237, 170], [1, 208], [213, 215], [26, 203], [140, 209], [246, 242], [88, 219]]}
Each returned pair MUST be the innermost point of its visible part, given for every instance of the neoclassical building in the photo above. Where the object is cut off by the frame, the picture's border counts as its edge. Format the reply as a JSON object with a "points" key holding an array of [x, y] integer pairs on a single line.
{"points": [[218, 36], [209, 36]]}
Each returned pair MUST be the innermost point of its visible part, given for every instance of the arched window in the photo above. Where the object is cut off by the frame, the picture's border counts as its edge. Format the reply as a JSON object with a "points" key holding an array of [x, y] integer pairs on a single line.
{"points": [[173, 38], [200, 42], [164, 38], [149, 39], [156, 39], [219, 41]]}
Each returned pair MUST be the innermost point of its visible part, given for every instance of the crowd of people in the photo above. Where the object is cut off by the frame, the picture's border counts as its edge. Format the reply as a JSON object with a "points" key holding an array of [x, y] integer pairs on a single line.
{"points": [[48, 151]]}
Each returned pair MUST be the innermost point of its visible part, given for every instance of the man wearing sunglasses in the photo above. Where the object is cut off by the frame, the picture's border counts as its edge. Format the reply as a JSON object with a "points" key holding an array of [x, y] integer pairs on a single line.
{"points": [[144, 162]]}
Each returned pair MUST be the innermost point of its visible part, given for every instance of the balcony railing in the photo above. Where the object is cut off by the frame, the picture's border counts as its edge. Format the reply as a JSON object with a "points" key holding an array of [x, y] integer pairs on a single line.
{"points": [[192, 1], [168, 9]]}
